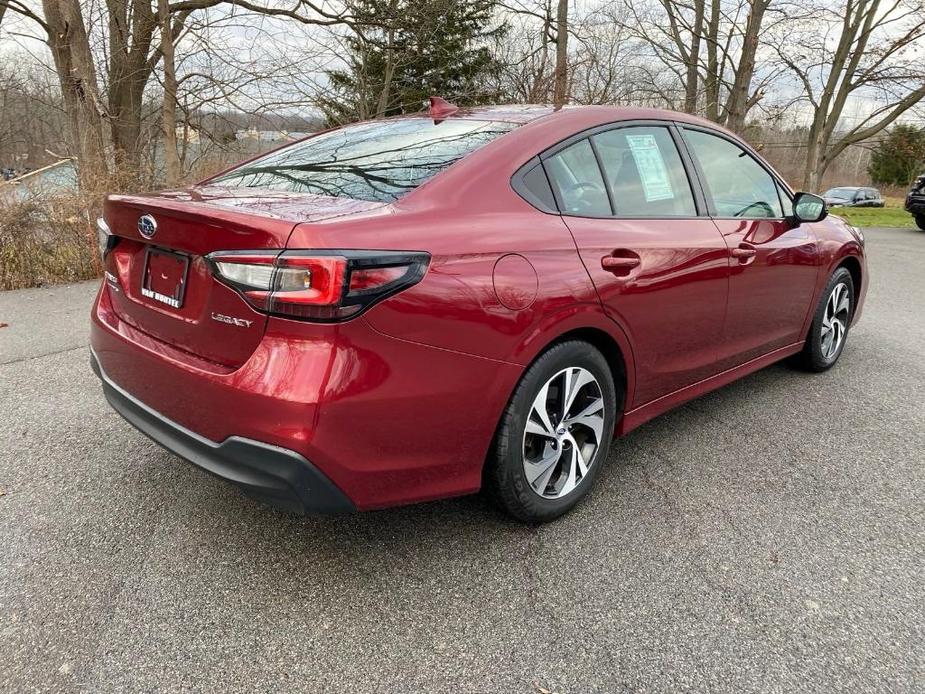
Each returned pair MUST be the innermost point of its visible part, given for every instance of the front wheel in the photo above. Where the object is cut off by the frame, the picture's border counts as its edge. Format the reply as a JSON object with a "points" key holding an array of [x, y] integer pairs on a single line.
{"points": [[829, 331], [920, 221], [555, 433]]}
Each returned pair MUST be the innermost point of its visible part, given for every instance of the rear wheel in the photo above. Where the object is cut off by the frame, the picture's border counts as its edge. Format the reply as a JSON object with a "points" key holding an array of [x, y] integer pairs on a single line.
{"points": [[920, 221], [829, 331], [555, 433]]}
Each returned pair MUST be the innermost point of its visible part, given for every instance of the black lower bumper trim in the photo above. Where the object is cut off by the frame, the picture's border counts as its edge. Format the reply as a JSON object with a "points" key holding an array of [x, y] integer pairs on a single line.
{"points": [[277, 476], [915, 205]]}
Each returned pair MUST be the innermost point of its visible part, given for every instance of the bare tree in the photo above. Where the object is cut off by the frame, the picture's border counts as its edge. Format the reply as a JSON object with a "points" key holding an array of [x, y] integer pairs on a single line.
{"points": [[32, 125], [711, 46], [133, 54], [561, 94], [875, 62], [70, 49], [169, 110]]}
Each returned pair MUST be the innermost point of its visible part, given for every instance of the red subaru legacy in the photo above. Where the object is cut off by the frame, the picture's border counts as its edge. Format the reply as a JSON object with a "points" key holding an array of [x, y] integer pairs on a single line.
{"points": [[413, 308]]}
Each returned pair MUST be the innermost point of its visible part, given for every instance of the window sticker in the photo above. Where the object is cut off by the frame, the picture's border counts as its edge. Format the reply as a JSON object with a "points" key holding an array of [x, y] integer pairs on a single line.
{"points": [[652, 170]]}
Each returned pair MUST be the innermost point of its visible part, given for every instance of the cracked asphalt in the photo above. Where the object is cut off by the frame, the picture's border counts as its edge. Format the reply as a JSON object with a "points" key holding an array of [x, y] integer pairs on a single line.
{"points": [[769, 537]]}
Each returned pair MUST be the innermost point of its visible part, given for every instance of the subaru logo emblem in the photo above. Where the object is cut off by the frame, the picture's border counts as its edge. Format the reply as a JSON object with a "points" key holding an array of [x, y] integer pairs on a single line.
{"points": [[147, 226]]}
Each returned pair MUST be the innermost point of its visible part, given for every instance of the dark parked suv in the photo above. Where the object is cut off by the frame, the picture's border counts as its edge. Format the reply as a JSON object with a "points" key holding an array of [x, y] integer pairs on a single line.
{"points": [[915, 201]]}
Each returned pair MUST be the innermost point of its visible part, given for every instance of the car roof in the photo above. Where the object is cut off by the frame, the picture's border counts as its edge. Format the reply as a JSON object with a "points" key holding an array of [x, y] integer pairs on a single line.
{"points": [[524, 113]]}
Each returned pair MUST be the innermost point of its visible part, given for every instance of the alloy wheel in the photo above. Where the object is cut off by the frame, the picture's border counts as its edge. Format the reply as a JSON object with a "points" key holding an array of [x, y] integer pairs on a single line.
{"points": [[835, 320], [563, 434]]}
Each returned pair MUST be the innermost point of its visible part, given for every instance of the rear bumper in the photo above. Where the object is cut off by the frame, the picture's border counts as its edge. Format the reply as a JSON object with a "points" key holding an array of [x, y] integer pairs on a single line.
{"points": [[376, 416], [277, 476]]}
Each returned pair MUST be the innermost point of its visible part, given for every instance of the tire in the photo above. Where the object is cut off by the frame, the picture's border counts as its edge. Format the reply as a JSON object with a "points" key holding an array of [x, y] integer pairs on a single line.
{"points": [[562, 459], [819, 353], [920, 221]]}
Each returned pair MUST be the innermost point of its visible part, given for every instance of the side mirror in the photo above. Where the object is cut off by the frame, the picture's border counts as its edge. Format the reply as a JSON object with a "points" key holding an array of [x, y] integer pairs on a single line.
{"points": [[809, 208]]}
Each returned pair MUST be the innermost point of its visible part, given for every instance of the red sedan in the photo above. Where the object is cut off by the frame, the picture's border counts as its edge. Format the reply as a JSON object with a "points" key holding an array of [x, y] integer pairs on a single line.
{"points": [[412, 308]]}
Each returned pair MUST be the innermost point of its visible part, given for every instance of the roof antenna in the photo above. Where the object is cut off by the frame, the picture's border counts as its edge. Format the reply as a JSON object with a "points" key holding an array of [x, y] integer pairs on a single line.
{"points": [[440, 108]]}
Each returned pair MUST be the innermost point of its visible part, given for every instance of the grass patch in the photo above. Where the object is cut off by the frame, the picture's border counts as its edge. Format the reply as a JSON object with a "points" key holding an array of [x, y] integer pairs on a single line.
{"points": [[892, 215]]}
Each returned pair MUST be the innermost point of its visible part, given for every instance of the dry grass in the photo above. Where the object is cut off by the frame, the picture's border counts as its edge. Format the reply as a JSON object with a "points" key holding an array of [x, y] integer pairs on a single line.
{"points": [[51, 239], [47, 240]]}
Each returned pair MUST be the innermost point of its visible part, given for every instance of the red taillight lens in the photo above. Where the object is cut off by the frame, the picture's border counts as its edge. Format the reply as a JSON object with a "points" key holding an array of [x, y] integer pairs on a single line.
{"points": [[322, 286], [364, 280]]}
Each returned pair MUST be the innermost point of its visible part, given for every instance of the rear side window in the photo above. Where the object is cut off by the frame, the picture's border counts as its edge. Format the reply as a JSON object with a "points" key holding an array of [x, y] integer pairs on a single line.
{"points": [[645, 173], [739, 185], [378, 161], [577, 178]]}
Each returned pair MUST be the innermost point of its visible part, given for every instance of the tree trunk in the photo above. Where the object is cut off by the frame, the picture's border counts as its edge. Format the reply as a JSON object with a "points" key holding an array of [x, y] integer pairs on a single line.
{"points": [[738, 103], [169, 105], [692, 78], [560, 97], [387, 75], [812, 171], [712, 81], [70, 49], [132, 24]]}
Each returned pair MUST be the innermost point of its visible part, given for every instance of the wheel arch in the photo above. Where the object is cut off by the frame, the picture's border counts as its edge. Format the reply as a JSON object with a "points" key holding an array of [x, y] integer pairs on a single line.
{"points": [[853, 266], [609, 339], [590, 325], [604, 343]]}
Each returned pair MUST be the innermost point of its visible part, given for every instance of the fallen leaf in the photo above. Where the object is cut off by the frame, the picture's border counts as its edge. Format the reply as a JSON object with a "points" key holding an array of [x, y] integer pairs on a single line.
{"points": [[4, 325]]}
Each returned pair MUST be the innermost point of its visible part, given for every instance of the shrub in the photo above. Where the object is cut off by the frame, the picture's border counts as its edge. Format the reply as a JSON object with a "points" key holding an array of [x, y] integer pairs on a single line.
{"points": [[47, 240]]}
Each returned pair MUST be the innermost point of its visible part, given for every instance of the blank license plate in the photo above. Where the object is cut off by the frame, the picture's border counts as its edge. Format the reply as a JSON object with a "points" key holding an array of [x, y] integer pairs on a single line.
{"points": [[164, 278]]}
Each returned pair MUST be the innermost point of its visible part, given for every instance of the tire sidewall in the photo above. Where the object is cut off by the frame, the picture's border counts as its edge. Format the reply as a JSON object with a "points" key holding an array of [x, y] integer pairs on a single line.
{"points": [[521, 499], [818, 360]]}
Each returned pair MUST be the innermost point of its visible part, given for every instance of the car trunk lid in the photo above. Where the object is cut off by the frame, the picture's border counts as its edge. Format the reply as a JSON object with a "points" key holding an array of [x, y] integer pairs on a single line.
{"points": [[160, 282]]}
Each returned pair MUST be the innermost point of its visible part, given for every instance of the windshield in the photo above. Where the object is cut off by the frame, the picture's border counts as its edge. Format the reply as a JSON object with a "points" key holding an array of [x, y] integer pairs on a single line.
{"points": [[377, 161], [843, 193]]}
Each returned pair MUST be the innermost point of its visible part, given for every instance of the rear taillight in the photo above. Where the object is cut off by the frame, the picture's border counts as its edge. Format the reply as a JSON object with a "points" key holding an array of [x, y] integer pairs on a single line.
{"points": [[317, 285], [105, 239]]}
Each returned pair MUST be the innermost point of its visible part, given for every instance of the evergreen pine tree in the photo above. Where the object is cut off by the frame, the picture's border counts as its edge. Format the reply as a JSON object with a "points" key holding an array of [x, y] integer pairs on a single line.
{"points": [[406, 51]]}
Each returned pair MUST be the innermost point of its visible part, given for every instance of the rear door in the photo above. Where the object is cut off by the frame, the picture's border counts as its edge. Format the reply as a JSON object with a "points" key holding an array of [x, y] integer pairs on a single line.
{"points": [[773, 260], [659, 267]]}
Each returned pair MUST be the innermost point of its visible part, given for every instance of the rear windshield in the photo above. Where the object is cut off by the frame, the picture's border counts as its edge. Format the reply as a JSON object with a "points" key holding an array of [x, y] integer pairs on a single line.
{"points": [[379, 161]]}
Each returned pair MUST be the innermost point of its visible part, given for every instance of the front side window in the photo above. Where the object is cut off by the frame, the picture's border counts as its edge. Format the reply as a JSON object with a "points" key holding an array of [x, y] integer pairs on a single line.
{"points": [[739, 185], [785, 200], [645, 173], [577, 178], [378, 161]]}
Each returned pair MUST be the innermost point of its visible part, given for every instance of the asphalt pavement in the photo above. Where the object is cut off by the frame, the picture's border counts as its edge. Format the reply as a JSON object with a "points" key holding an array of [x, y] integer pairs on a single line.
{"points": [[769, 537]]}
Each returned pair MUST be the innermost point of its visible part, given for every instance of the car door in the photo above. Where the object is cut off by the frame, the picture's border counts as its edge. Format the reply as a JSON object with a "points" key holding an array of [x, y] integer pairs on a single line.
{"points": [[659, 266], [773, 261]]}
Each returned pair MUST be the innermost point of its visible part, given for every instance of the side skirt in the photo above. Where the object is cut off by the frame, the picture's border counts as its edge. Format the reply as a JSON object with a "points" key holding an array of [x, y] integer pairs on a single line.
{"points": [[644, 413]]}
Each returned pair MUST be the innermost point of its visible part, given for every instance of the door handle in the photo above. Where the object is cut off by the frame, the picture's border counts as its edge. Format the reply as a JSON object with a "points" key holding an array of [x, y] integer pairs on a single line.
{"points": [[744, 252], [619, 265]]}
